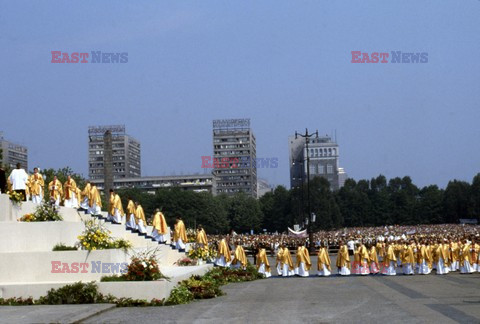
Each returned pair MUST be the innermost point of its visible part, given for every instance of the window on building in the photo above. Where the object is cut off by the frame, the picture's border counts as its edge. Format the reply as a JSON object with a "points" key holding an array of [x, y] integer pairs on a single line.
{"points": [[329, 169]]}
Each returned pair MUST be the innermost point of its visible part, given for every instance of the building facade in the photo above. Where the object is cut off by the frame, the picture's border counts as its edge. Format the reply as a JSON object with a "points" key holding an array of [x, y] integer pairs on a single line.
{"points": [[234, 145], [324, 161], [13, 153], [125, 153], [196, 182]]}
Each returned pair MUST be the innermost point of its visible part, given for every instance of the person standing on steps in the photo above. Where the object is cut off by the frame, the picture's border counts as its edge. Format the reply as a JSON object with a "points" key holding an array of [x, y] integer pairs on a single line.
{"points": [[18, 178]]}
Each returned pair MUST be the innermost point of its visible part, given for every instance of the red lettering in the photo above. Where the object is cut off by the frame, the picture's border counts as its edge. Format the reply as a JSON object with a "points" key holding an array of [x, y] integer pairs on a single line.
{"points": [[84, 57], [355, 55], [75, 57], [74, 267], [374, 57], [65, 58], [55, 267], [65, 268], [384, 57], [365, 58], [205, 162], [84, 266]]}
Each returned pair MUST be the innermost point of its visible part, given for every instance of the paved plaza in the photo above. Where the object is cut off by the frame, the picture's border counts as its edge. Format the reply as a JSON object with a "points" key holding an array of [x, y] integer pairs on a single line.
{"points": [[373, 299]]}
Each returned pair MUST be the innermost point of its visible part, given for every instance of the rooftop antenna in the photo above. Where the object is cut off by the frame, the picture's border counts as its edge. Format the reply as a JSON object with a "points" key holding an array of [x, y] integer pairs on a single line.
{"points": [[336, 135]]}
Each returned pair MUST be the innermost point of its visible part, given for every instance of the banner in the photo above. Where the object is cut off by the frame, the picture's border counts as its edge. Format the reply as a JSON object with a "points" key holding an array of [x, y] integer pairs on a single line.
{"points": [[302, 234]]}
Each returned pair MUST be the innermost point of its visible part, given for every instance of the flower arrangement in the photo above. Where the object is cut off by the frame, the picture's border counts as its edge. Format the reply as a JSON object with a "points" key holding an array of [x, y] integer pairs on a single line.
{"points": [[15, 197], [44, 213], [27, 218], [199, 253], [143, 269], [97, 237], [183, 262], [47, 212], [191, 235]]}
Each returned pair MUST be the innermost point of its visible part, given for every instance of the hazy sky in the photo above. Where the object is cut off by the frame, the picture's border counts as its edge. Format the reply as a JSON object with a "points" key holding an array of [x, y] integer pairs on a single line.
{"points": [[284, 64]]}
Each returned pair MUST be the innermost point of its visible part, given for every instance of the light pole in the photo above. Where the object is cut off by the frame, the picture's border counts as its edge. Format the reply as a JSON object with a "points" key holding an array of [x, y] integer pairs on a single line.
{"points": [[310, 220]]}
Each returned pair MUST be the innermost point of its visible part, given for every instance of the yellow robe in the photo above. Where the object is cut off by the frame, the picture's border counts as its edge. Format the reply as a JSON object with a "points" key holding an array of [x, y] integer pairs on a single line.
{"points": [[116, 203], [69, 189], [87, 192], [55, 189], [286, 258], [323, 259], [372, 256], [140, 215], [303, 256], [94, 197], [343, 259], [159, 223], [262, 258], [240, 256], [465, 255], [36, 184], [202, 237], [180, 232], [390, 255], [224, 250], [131, 208], [455, 253], [407, 255]]}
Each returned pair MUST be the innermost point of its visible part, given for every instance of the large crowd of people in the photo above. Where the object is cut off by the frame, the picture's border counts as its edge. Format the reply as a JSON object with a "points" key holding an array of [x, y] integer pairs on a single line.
{"points": [[416, 249]]}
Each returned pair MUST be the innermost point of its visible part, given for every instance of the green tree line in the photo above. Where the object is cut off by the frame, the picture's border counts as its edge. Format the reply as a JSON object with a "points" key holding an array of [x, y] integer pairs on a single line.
{"points": [[374, 202]]}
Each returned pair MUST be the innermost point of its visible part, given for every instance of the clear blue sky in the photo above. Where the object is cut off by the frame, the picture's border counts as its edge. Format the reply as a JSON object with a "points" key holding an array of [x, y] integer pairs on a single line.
{"points": [[284, 64]]}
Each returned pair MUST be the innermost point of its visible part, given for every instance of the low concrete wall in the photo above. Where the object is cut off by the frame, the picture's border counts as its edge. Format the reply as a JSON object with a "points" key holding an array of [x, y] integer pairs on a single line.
{"points": [[133, 289], [10, 212]]}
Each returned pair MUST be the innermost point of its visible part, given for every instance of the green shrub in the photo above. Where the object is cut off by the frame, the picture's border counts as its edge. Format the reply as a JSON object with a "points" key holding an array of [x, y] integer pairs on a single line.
{"points": [[63, 247], [77, 293], [179, 295]]}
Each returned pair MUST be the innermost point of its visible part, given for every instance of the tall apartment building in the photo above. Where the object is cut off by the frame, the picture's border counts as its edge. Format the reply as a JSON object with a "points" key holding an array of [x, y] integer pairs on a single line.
{"points": [[13, 153], [324, 161], [234, 144], [125, 153]]}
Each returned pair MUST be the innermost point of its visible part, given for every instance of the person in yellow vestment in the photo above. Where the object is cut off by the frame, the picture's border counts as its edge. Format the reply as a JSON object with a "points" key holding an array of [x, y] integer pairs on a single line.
{"points": [[440, 258], [263, 266], [279, 264], [455, 254], [424, 258], [466, 257], [70, 193], [408, 259], [239, 257], [324, 262], [224, 257], [287, 264], [363, 259], [95, 202], [55, 190], [131, 221], [180, 235], [36, 186], [475, 257], [86, 193], [389, 263], [160, 228], [373, 259], [201, 240], [115, 211], [343, 260], [140, 219], [303, 262]]}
